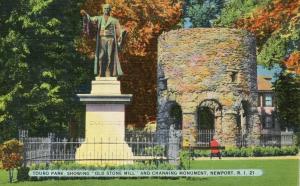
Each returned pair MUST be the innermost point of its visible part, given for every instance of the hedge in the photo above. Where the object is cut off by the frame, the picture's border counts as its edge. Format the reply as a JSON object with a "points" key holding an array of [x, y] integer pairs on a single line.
{"points": [[251, 152]]}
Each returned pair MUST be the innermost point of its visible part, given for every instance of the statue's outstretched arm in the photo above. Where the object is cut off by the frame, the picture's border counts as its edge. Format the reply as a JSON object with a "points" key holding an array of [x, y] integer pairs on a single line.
{"points": [[90, 18], [87, 19]]}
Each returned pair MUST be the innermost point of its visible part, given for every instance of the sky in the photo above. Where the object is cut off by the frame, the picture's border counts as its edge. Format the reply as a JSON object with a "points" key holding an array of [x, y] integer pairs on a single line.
{"points": [[262, 71]]}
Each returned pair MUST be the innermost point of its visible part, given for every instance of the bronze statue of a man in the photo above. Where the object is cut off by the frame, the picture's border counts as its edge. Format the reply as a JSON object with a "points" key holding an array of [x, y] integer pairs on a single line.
{"points": [[108, 39]]}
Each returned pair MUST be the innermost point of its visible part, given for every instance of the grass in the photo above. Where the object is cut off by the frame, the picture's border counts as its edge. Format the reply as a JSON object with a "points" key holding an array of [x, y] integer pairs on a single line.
{"points": [[276, 173]]}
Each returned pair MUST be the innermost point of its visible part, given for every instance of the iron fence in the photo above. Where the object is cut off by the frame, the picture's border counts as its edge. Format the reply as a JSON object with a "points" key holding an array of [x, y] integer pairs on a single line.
{"points": [[274, 138], [163, 145], [280, 138], [204, 137], [242, 140], [143, 146]]}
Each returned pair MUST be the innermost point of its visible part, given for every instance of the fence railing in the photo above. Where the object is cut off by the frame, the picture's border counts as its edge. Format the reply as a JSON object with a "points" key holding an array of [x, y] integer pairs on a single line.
{"points": [[163, 145], [143, 146], [204, 137], [280, 138]]}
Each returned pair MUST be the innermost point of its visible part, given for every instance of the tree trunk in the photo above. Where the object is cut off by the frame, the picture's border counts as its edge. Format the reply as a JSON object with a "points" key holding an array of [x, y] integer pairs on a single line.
{"points": [[10, 175]]}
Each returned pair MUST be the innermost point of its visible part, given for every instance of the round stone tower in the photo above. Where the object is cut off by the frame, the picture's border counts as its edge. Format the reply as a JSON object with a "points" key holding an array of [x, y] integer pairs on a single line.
{"points": [[207, 85]]}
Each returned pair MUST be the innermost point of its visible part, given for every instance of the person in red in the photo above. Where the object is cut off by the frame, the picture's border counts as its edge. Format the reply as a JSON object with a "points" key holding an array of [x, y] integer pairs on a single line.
{"points": [[214, 147]]}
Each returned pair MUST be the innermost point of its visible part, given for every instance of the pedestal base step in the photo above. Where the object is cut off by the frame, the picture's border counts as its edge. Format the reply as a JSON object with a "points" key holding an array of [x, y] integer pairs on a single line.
{"points": [[104, 154]]}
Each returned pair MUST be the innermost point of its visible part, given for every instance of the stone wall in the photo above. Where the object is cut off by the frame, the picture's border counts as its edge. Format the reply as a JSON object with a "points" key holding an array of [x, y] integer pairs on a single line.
{"points": [[214, 68]]}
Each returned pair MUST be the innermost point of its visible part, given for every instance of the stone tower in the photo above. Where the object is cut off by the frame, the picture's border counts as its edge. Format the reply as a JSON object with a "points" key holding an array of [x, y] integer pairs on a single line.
{"points": [[210, 71]]}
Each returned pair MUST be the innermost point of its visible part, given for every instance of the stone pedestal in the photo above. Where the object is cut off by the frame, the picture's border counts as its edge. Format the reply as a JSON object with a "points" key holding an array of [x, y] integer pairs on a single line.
{"points": [[105, 125]]}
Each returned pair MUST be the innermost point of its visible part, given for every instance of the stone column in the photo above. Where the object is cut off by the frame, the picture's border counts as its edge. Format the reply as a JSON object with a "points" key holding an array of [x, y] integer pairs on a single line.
{"points": [[256, 128], [105, 124], [189, 130], [218, 125], [230, 128], [243, 121]]}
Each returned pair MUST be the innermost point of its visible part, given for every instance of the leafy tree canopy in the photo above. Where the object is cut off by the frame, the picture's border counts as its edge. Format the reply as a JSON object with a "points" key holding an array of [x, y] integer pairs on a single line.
{"points": [[275, 25], [287, 92], [203, 12], [40, 69]]}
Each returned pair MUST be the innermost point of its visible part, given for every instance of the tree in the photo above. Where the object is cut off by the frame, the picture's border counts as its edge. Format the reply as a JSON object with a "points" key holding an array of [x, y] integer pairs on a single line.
{"points": [[287, 94], [237, 9], [275, 25], [203, 12], [40, 69], [11, 156]]}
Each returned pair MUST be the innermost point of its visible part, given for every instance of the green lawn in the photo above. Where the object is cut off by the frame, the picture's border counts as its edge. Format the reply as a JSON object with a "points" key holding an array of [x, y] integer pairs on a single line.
{"points": [[276, 173]]}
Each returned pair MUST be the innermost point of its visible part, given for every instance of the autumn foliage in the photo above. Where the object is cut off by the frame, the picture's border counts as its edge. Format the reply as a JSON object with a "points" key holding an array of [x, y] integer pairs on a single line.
{"points": [[280, 17], [293, 62], [265, 21], [11, 156], [143, 20]]}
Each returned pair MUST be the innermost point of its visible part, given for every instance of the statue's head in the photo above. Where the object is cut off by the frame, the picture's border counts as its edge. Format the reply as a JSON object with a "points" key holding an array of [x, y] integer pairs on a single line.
{"points": [[106, 9]]}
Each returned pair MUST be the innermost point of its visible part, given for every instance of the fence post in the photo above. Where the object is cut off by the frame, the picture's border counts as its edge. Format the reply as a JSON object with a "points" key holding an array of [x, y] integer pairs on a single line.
{"points": [[65, 148], [23, 135], [173, 146]]}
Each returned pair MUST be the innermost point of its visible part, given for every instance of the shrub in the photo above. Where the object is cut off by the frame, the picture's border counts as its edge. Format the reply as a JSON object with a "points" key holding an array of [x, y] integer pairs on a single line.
{"points": [[246, 152], [11, 156], [231, 152], [277, 151], [157, 150], [251, 151], [184, 159], [201, 153], [289, 151], [257, 151], [146, 165]]}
